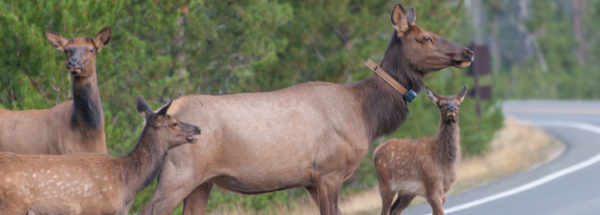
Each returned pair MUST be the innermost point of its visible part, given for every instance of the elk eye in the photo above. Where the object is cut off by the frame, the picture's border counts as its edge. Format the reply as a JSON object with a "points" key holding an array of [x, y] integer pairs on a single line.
{"points": [[426, 39], [439, 105], [175, 124], [91, 50], [66, 52]]}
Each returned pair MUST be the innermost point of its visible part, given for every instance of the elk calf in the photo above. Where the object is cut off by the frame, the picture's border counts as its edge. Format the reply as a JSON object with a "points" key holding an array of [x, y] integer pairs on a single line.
{"points": [[90, 183], [422, 167]]}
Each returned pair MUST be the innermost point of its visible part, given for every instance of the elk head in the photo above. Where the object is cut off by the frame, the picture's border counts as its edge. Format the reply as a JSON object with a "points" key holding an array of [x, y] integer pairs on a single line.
{"points": [[167, 129], [424, 50], [448, 105], [81, 52]]}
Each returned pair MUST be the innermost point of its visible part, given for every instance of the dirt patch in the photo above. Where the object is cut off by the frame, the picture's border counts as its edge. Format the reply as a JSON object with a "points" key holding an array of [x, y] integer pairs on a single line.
{"points": [[514, 148]]}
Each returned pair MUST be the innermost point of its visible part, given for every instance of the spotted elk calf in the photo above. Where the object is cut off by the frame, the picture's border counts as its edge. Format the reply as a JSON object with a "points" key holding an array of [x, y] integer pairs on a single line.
{"points": [[422, 167], [90, 183], [71, 126]]}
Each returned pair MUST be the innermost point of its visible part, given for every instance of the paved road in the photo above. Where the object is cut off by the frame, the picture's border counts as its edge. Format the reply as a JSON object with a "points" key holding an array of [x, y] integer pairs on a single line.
{"points": [[568, 185]]}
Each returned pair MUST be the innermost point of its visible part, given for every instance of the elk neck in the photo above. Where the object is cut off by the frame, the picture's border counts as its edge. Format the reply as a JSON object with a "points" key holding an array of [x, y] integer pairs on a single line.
{"points": [[448, 138], [139, 168], [383, 107], [87, 107]]}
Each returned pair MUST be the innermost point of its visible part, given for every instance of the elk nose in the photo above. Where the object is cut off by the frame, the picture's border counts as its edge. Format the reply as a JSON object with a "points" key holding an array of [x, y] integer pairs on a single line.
{"points": [[197, 131], [469, 53], [72, 63], [451, 108]]}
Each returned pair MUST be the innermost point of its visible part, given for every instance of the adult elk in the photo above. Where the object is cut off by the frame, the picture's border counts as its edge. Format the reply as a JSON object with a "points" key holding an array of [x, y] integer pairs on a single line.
{"points": [[311, 135], [423, 167], [71, 126], [90, 183]]}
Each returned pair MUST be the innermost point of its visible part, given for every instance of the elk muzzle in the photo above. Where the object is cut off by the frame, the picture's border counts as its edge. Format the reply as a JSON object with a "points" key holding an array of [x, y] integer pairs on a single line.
{"points": [[468, 57], [191, 138], [74, 66]]}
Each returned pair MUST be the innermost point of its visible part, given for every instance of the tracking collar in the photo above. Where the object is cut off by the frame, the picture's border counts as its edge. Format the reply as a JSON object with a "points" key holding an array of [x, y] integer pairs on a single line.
{"points": [[408, 95]]}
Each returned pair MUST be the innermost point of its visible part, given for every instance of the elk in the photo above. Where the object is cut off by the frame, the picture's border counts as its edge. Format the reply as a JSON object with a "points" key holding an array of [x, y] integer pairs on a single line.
{"points": [[311, 135], [423, 167], [71, 126], [90, 183]]}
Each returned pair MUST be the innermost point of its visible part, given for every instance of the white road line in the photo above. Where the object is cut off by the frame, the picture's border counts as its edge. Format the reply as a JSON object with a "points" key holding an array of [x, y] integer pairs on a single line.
{"points": [[545, 179]]}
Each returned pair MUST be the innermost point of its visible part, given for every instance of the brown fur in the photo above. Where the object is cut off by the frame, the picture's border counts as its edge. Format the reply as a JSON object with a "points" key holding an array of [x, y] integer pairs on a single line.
{"points": [[70, 126], [90, 183], [422, 167], [311, 135]]}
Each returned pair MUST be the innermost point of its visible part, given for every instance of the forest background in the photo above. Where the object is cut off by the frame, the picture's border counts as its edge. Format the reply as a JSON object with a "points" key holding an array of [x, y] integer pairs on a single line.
{"points": [[163, 50]]}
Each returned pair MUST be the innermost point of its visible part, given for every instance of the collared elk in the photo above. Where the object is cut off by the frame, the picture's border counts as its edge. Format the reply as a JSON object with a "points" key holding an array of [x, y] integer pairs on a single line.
{"points": [[311, 135], [90, 183], [71, 126], [423, 167]]}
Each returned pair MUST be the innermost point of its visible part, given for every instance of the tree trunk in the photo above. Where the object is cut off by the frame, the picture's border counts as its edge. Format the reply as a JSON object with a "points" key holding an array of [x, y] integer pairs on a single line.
{"points": [[578, 27]]}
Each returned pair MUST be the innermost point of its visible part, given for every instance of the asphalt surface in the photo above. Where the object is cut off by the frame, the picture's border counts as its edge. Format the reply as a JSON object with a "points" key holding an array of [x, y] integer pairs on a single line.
{"points": [[570, 184]]}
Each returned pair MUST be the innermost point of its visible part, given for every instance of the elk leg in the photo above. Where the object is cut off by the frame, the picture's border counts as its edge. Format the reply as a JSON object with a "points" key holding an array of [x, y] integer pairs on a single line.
{"points": [[172, 188], [401, 203], [328, 190], [315, 196], [435, 200], [387, 196], [196, 202], [123, 210]]}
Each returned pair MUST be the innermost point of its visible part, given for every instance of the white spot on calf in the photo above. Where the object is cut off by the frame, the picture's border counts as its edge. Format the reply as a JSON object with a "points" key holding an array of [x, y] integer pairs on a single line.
{"points": [[59, 183], [48, 171], [55, 176]]}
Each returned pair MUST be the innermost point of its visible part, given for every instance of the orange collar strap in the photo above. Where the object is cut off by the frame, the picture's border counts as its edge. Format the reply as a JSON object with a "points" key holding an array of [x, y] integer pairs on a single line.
{"points": [[408, 95]]}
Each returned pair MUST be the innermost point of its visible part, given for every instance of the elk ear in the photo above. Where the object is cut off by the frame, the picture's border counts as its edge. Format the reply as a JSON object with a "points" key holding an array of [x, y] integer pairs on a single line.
{"points": [[163, 111], [399, 20], [56, 40], [102, 38], [143, 108], [434, 97], [411, 16], [461, 95]]}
